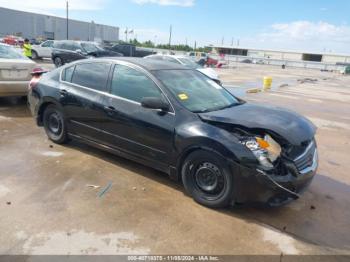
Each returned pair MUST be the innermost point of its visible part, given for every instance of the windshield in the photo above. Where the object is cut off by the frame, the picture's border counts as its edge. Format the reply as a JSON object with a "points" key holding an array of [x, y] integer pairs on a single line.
{"points": [[195, 91], [90, 48], [9, 52], [189, 63]]}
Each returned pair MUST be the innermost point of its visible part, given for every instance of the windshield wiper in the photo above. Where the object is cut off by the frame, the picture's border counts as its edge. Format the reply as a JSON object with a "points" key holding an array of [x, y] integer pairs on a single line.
{"points": [[218, 108]]}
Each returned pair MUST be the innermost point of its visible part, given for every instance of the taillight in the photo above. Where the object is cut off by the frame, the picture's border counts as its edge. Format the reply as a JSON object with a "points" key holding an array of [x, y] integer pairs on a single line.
{"points": [[36, 75], [34, 81]]}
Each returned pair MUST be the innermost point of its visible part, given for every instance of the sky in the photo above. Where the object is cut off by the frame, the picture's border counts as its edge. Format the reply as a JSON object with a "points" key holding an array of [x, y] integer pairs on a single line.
{"points": [[304, 25]]}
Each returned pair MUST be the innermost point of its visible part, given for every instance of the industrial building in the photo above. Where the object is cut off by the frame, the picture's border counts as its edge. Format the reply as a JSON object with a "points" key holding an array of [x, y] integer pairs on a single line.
{"points": [[254, 53], [31, 25]]}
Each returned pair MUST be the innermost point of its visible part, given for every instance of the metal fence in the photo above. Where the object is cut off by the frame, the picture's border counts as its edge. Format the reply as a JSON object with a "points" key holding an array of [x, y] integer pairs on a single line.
{"points": [[230, 59]]}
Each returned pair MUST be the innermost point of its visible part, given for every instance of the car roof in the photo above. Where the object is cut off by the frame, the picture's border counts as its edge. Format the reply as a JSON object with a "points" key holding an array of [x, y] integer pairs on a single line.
{"points": [[149, 64], [173, 56]]}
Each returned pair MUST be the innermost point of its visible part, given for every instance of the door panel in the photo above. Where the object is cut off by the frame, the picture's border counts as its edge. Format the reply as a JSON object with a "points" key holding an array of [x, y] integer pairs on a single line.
{"points": [[127, 125], [82, 95], [144, 132]]}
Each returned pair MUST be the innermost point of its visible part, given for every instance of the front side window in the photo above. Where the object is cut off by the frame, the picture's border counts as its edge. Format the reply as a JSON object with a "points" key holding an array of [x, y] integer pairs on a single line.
{"points": [[47, 44], [132, 84], [195, 91], [91, 75]]}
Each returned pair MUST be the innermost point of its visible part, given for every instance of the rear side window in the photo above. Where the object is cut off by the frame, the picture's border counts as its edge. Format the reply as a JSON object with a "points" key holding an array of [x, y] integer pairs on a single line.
{"points": [[132, 84], [92, 75], [68, 73]]}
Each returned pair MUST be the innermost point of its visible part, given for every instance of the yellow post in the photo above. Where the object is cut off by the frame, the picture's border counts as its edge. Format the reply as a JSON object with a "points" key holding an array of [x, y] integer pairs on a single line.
{"points": [[267, 82]]}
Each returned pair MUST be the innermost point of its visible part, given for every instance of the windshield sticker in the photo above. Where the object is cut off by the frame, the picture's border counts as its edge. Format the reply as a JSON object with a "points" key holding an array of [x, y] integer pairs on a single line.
{"points": [[183, 96], [213, 84]]}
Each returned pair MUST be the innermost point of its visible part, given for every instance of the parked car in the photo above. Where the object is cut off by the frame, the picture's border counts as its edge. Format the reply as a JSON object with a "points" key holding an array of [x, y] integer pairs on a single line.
{"points": [[179, 121], [15, 71], [198, 55], [130, 50], [67, 51], [186, 61], [42, 50]]}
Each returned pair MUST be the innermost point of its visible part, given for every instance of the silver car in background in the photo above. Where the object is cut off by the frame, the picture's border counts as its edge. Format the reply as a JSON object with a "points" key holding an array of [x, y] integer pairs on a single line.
{"points": [[15, 72], [188, 62]]}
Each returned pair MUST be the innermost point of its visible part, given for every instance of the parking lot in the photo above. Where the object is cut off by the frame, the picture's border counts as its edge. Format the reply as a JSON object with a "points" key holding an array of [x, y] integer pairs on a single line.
{"points": [[75, 199]]}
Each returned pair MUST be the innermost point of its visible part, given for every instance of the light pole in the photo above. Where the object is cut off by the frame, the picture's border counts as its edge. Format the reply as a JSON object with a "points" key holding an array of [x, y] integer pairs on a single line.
{"points": [[171, 31], [67, 20]]}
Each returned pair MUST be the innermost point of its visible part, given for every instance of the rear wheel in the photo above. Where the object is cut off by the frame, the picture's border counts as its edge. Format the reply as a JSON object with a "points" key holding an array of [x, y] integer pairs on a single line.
{"points": [[58, 61], [207, 178], [35, 55], [55, 124]]}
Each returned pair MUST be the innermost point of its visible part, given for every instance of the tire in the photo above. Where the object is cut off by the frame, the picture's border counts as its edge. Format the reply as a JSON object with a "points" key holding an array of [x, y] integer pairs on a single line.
{"points": [[58, 61], [207, 178], [35, 55], [55, 125]]}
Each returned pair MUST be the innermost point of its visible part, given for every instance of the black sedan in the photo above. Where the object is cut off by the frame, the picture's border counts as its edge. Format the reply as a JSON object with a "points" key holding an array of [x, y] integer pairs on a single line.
{"points": [[177, 120], [67, 51]]}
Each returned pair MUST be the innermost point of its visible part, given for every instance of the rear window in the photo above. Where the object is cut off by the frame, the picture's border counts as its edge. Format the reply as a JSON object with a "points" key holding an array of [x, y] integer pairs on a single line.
{"points": [[8, 52], [91, 75]]}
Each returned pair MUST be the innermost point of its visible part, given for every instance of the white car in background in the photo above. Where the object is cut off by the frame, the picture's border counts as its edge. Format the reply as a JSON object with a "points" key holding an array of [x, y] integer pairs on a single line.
{"points": [[43, 50], [15, 71], [188, 62]]}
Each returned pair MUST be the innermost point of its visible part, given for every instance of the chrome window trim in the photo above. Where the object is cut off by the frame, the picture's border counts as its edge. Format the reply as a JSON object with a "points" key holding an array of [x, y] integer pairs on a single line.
{"points": [[306, 151], [107, 93], [314, 165]]}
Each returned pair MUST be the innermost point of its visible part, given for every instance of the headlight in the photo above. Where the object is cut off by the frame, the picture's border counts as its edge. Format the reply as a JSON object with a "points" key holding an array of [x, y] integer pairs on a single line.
{"points": [[266, 150]]}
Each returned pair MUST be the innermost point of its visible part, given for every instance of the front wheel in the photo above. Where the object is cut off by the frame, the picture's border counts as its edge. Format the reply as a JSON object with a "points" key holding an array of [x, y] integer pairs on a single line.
{"points": [[207, 178], [55, 124]]}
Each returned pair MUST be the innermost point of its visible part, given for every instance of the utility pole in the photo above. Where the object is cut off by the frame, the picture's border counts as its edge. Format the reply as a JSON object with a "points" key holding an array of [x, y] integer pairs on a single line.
{"points": [[232, 42], [126, 35], [223, 40], [67, 20], [195, 46], [170, 35]]}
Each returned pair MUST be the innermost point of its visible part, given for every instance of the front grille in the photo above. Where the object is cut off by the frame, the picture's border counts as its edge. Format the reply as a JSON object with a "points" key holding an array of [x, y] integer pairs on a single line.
{"points": [[306, 159]]}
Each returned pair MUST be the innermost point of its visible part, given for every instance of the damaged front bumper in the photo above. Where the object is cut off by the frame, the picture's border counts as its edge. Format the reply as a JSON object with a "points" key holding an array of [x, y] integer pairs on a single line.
{"points": [[257, 185]]}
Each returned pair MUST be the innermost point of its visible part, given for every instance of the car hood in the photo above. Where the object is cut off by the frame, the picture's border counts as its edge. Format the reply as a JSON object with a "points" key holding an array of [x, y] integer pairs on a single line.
{"points": [[209, 72], [290, 125]]}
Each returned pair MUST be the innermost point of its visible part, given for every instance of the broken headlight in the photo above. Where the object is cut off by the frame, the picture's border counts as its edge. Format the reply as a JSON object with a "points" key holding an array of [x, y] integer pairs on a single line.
{"points": [[266, 150]]}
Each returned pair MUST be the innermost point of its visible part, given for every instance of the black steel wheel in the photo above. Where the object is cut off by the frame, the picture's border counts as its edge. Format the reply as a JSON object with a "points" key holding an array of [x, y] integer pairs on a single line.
{"points": [[207, 179], [55, 125]]}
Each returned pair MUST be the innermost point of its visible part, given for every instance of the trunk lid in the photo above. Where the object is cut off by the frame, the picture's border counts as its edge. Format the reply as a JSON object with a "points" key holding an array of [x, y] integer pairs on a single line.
{"points": [[15, 69]]}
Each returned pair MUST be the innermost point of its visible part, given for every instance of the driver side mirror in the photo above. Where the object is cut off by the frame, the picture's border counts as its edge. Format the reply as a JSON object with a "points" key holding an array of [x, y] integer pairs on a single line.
{"points": [[79, 51], [155, 103]]}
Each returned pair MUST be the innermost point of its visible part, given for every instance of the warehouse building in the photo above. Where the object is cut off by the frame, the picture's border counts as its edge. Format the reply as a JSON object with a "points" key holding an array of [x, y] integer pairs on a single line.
{"points": [[254, 53], [31, 25]]}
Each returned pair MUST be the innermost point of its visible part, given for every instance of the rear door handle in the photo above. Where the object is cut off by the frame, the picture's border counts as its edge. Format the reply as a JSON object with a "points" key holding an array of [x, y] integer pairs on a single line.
{"points": [[110, 110], [63, 92]]}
